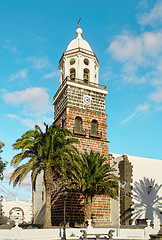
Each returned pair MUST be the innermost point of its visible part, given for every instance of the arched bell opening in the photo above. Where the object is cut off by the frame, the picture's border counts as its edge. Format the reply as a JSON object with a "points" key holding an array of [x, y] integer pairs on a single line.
{"points": [[72, 73], [86, 75]]}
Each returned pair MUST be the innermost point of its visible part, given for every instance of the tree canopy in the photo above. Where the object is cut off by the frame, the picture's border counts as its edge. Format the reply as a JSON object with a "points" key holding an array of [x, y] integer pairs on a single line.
{"points": [[2, 164], [92, 175], [48, 151]]}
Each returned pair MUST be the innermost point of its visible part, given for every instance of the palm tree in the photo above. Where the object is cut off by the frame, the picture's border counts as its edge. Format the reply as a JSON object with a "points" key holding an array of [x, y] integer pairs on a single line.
{"points": [[92, 175], [48, 151], [2, 164]]}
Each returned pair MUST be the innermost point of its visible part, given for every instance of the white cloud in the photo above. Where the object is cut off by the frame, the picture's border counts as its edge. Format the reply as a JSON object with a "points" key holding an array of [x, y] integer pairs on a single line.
{"points": [[140, 49], [34, 100], [153, 17], [31, 122], [129, 74], [25, 121], [23, 192], [7, 175], [51, 75], [9, 46], [140, 109], [143, 4], [139, 58], [39, 63], [19, 75], [157, 96], [42, 39]]}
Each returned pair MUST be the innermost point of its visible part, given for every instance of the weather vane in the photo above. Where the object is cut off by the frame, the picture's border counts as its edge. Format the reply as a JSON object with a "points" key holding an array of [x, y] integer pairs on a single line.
{"points": [[79, 22]]}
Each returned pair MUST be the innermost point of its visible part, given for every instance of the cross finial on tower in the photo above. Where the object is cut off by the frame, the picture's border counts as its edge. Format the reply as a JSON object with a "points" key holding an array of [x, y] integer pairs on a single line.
{"points": [[79, 22]]}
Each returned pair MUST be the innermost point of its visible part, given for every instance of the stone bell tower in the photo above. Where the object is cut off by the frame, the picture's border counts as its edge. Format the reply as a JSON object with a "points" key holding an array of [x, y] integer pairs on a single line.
{"points": [[79, 103], [79, 106]]}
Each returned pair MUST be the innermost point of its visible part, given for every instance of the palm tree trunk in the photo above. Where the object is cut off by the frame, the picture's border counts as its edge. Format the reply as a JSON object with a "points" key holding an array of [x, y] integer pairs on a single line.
{"points": [[87, 208], [48, 191]]}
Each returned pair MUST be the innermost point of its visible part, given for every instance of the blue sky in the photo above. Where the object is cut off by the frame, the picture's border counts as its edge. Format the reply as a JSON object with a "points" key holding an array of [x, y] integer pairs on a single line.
{"points": [[125, 35]]}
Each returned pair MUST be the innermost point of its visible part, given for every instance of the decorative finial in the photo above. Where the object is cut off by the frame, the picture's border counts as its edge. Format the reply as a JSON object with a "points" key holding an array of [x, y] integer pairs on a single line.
{"points": [[79, 22]]}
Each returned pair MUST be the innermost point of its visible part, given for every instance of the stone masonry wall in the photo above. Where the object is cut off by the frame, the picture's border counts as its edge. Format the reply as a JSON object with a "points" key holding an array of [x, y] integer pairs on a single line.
{"points": [[101, 204], [68, 106], [73, 97], [87, 143]]}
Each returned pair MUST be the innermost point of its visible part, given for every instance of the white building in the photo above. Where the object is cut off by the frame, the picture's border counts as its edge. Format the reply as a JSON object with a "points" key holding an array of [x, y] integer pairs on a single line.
{"points": [[21, 211], [146, 189]]}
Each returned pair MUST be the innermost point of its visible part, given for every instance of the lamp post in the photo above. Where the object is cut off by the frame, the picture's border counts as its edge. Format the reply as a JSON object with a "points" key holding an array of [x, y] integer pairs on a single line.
{"points": [[64, 226]]}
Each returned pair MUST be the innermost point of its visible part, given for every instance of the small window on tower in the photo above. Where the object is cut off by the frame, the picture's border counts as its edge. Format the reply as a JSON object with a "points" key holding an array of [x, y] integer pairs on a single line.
{"points": [[72, 61], [78, 127], [72, 73], [94, 130], [78, 124], [86, 61], [94, 127], [86, 75]]}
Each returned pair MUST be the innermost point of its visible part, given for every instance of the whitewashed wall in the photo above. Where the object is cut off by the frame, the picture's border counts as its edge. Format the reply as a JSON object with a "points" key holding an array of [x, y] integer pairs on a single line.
{"points": [[38, 201], [147, 188], [7, 206]]}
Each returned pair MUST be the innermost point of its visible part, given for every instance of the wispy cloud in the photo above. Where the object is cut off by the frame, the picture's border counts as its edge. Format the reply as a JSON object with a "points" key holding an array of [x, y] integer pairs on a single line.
{"points": [[157, 96], [42, 39], [9, 193], [7, 175], [51, 75], [140, 109], [34, 100], [39, 63], [25, 121], [30, 123], [140, 57], [152, 17], [9, 46], [139, 49], [19, 75]]}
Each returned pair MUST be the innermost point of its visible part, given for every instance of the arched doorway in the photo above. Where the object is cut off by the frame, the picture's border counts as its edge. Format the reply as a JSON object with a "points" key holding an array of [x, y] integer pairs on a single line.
{"points": [[16, 214]]}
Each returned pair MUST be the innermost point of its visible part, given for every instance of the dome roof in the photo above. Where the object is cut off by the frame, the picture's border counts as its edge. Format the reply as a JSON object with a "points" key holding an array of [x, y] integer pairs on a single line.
{"points": [[79, 42]]}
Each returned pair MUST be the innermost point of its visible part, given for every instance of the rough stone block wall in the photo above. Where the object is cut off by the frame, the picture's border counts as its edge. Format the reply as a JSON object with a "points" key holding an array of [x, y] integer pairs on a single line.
{"points": [[73, 97], [60, 104], [101, 210], [74, 206], [68, 106], [87, 143]]}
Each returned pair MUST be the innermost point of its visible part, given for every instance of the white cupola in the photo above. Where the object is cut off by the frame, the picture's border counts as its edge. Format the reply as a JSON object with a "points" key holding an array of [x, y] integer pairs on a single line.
{"points": [[79, 62]]}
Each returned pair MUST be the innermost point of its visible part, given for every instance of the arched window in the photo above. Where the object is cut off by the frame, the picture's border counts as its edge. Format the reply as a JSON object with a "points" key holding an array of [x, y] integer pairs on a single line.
{"points": [[94, 127], [86, 75], [78, 124], [72, 73]]}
